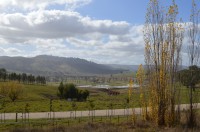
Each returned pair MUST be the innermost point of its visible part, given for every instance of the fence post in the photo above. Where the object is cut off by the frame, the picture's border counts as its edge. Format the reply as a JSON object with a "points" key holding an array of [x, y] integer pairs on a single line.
{"points": [[118, 118], [4, 117], [75, 114], [1, 117], [16, 118], [22, 117], [94, 113], [28, 116]]}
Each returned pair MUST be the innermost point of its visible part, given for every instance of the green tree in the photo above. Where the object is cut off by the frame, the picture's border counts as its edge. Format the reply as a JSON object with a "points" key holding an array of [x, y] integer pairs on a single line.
{"points": [[61, 90], [19, 77], [85, 95], [3, 74], [82, 95], [190, 77], [43, 80], [24, 77], [70, 91]]}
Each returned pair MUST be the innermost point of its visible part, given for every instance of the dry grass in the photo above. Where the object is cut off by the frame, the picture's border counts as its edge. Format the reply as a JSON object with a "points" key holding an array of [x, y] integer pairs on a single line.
{"points": [[89, 127], [126, 126]]}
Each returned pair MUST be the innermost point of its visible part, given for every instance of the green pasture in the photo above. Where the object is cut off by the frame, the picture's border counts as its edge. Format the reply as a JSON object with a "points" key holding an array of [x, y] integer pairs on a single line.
{"points": [[37, 98]]}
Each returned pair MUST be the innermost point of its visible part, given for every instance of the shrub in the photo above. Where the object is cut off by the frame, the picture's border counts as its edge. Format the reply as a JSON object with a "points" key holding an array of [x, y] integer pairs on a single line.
{"points": [[11, 89], [70, 91]]}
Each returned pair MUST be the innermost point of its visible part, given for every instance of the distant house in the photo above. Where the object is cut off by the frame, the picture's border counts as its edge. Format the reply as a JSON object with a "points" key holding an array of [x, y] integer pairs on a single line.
{"points": [[110, 92]]}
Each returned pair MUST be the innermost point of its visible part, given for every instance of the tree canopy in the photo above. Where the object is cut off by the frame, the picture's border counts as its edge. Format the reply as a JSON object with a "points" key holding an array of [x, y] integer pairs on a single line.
{"points": [[69, 91], [189, 77]]}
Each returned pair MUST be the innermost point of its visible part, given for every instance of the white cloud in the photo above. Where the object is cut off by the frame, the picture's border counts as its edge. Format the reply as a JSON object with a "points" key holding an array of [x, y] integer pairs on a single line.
{"points": [[55, 24], [10, 51], [29, 5], [122, 49], [41, 30]]}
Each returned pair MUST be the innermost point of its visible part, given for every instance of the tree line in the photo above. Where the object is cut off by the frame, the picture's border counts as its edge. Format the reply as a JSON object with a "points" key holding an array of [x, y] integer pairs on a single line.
{"points": [[21, 78]]}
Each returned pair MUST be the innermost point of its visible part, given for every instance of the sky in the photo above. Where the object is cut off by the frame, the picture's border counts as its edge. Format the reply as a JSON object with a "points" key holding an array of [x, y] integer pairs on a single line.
{"points": [[103, 31]]}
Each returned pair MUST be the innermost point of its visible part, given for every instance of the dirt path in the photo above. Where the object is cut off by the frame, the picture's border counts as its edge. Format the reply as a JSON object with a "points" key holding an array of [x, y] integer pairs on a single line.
{"points": [[68, 114]]}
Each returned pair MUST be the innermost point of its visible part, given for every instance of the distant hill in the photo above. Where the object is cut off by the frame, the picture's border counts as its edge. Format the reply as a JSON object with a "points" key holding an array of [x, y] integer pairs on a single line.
{"points": [[124, 67], [134, 67], [54, 66]]}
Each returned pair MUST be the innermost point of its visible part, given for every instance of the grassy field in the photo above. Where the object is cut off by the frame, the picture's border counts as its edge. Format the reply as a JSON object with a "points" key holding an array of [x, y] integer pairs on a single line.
{"points": [[97, 124], [47, 123], [38, 99]]}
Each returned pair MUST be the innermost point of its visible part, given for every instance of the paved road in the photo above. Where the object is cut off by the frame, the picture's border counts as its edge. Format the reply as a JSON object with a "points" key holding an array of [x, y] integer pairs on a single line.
{"points": [[68, 114]]}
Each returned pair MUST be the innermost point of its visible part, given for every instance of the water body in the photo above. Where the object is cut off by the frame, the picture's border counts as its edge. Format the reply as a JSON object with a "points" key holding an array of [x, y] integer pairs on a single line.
{"points": [[106, 86]]}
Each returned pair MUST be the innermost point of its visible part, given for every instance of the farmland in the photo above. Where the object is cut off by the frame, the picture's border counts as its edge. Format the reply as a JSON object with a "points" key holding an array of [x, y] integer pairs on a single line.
{"points": [[38, 99]]}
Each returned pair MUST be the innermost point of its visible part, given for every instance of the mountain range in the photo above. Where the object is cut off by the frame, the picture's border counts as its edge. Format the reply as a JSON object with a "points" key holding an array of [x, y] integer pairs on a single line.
{"points": [[56, 66]]}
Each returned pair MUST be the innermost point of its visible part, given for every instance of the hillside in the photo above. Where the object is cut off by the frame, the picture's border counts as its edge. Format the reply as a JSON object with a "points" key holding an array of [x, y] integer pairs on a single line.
{"points": [[124, 67], [54, 66]]}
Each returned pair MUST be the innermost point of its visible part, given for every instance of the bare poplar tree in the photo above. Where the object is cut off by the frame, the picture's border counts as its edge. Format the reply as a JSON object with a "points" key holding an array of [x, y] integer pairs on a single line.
{"points": [[193, 49], [143, 92], [163, 37]]}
